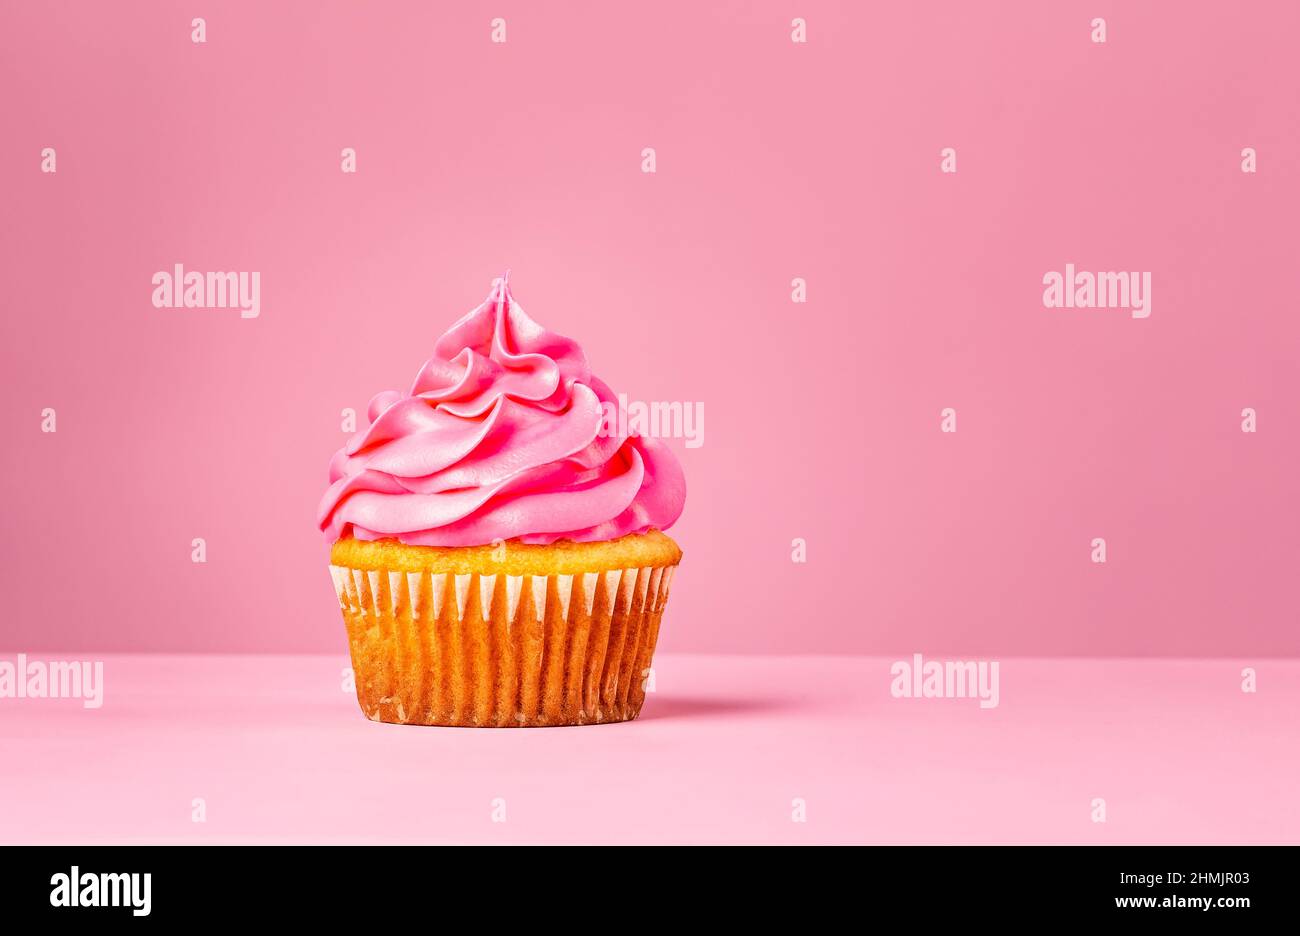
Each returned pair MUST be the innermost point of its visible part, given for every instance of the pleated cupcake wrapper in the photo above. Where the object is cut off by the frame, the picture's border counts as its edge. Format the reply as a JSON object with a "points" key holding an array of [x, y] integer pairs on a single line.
{"points": [[501, 650]]}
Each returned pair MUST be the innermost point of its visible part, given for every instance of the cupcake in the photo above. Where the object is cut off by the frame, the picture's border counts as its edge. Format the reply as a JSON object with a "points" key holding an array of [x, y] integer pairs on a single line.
{"points": [[497, 548]]}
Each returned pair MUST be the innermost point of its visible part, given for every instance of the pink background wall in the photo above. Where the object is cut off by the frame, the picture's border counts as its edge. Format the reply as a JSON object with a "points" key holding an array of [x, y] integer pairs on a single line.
{"points": [[775, 160]]}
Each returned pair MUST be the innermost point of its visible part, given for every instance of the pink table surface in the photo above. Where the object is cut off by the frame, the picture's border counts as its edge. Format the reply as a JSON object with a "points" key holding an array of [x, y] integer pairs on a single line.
{"points": [[279, 752]]}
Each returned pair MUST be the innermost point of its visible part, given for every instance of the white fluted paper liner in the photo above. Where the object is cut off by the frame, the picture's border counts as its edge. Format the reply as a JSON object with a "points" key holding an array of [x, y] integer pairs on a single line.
{"points": [[501, 650]]}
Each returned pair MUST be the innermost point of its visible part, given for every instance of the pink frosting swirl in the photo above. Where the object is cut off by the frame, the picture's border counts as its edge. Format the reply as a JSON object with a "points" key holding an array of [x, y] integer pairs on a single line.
{"points": [[500, 438]]}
